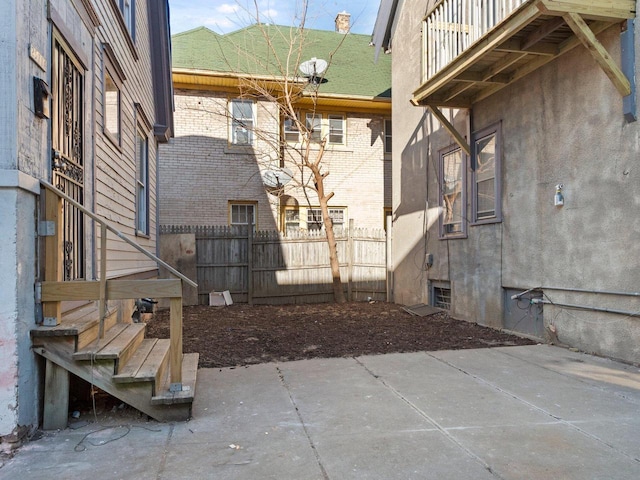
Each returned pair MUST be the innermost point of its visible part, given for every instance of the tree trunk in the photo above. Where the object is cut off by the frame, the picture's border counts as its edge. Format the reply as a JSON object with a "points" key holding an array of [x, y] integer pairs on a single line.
{"points": [[338, 292]]}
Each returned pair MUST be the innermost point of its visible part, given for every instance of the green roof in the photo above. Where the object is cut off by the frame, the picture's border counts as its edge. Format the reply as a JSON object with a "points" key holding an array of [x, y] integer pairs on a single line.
{"points": [[352, 70]]}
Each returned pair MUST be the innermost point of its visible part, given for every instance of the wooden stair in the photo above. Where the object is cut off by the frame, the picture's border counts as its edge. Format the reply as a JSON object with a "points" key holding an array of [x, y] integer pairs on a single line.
{"points": [[123, 363]]}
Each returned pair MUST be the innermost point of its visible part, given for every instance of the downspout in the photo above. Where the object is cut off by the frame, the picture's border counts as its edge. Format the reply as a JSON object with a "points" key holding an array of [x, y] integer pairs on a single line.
{"points": [[536, 301]]}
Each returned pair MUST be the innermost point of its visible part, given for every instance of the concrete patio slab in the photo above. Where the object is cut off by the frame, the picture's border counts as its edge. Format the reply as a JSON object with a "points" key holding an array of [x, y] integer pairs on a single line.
{"points": [[535, 412]]}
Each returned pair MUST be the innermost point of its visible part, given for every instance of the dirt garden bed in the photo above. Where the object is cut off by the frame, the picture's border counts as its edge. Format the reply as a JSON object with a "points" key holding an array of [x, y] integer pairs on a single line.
{"points": [[240, 335]]}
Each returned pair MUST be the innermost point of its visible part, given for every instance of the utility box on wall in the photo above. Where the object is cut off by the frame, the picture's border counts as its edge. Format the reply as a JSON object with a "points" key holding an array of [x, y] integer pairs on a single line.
{"points": [[520, 315]]}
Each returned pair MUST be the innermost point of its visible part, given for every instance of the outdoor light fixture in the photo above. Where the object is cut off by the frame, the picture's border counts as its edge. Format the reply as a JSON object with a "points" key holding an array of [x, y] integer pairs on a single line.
{"points": [[558, 199]]}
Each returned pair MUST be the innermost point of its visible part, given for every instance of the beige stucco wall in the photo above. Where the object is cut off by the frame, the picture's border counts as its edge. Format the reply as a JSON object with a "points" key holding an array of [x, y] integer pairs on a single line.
{"points": [[561, 124], [201, 173]]}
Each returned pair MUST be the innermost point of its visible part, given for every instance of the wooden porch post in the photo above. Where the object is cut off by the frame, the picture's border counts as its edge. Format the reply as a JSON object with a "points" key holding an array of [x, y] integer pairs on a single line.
{"points": [[52, 311], [175, 333], [56, 397]]}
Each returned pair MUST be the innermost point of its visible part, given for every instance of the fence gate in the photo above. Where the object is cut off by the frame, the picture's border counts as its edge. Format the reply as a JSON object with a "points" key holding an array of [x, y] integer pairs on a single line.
{"points": [[67, 162]]}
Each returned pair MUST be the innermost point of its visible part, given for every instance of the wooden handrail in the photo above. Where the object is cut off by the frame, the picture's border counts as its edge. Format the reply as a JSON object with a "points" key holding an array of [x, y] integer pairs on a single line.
{"points": [[106, 287], [120, 235]]}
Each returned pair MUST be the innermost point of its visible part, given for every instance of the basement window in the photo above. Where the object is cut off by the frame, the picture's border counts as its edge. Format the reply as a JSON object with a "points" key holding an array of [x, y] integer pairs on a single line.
{"points": [[441, 295]]}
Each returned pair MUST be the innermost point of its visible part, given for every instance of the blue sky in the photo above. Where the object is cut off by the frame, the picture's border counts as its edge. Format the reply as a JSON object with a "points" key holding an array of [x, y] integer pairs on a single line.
{"points": [[224, 16]]}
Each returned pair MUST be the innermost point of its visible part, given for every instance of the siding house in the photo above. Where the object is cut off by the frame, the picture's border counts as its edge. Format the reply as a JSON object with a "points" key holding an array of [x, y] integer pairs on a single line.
{"points": [[233, 147], [515, 172], [85, 100]]}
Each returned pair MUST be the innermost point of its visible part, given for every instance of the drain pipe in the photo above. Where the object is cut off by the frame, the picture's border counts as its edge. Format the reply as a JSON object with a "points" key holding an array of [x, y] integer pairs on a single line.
{"points": [[584, 290], [536, 301]]}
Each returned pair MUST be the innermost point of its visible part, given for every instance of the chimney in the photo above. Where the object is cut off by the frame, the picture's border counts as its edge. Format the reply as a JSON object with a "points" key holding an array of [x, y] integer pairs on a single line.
{"points": [[343, 22]]}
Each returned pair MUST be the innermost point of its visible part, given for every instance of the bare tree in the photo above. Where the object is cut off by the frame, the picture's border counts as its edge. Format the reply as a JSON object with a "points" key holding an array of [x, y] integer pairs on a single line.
{"points": [[267, 68]]}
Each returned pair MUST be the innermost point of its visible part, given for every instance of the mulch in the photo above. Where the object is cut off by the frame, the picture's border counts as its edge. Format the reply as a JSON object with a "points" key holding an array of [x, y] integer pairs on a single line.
{"points": [[240, 335]]}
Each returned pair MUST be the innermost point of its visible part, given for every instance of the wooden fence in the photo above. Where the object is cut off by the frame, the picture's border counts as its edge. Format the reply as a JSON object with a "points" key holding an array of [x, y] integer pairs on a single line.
{"points": [[268, 268]]}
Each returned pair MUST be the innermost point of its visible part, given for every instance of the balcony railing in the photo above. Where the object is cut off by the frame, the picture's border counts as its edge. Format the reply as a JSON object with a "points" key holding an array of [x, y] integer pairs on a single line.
{"points": [[452, 26]]}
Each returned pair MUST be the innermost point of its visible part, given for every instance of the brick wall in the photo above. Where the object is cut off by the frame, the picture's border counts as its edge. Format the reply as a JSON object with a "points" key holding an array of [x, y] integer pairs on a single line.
{"points": [[200, 173]]}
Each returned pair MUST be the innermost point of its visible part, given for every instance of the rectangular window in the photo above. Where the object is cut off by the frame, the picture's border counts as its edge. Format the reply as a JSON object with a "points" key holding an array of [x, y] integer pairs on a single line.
{"points": [[387, 137], [337, 217], [291, 219], [314, 126], [290, 130], [485, 175], [441, 295], [242, 122], [330, 127], [111, 107], [142, 182], [452, 192], [128, 10], [336, 129], [243, 214], [314, 218]]}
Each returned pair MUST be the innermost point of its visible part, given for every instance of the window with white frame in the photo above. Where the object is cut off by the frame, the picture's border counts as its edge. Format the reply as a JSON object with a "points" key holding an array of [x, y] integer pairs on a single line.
{"points": [[142, 181], [387, 136], [452, 180], [336, 129], [290, 131], [314, 126], [242, 213], [242, 122], [111, 111], [291, 219], [314, 218], [330, 126], [485, 175]]}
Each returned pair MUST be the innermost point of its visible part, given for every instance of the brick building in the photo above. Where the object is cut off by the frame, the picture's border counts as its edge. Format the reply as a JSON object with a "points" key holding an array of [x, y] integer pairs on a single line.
{"points": [[233, 150]]}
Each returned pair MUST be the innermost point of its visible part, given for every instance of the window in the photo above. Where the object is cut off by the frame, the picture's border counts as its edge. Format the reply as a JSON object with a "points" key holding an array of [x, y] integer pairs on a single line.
{"points": [[142, 182], [128, 10], [290, 130], [314, 218], [242, 122], [111, 107], [441, 295], [314, 126], [331, 127], [113, 79], [452, 192], [336, 129], [291, 219], [485, 174], [387, 137], [243, 214]]}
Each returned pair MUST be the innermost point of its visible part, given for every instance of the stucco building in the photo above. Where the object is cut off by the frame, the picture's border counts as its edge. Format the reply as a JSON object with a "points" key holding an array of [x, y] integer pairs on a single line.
{"points": [[233, 145], [515, 165]]}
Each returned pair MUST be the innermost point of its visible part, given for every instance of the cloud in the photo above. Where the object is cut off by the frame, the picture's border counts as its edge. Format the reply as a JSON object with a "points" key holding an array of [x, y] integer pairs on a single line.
{"points": [[227, 8]]}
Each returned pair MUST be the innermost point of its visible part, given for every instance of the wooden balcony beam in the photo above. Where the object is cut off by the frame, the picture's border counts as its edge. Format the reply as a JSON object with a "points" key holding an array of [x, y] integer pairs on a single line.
{"points": [[116, 290], [480, 77], [592, 9], [542, 32], [514, 45], [599, 53], [472, 55], [460, 140], [538, 62]]}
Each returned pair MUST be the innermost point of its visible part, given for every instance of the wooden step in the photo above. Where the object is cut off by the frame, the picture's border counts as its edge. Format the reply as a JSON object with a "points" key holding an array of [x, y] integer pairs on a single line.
{"points": [[82, 323], [119, 344], [148, 364], [189, 377]]}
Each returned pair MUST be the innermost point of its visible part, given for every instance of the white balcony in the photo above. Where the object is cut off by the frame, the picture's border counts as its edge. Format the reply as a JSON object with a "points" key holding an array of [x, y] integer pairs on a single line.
{"points": [[473, 48]]}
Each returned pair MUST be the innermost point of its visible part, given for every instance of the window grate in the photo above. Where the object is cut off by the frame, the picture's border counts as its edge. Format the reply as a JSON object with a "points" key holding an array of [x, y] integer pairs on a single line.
{"points": [[442, 297]]}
